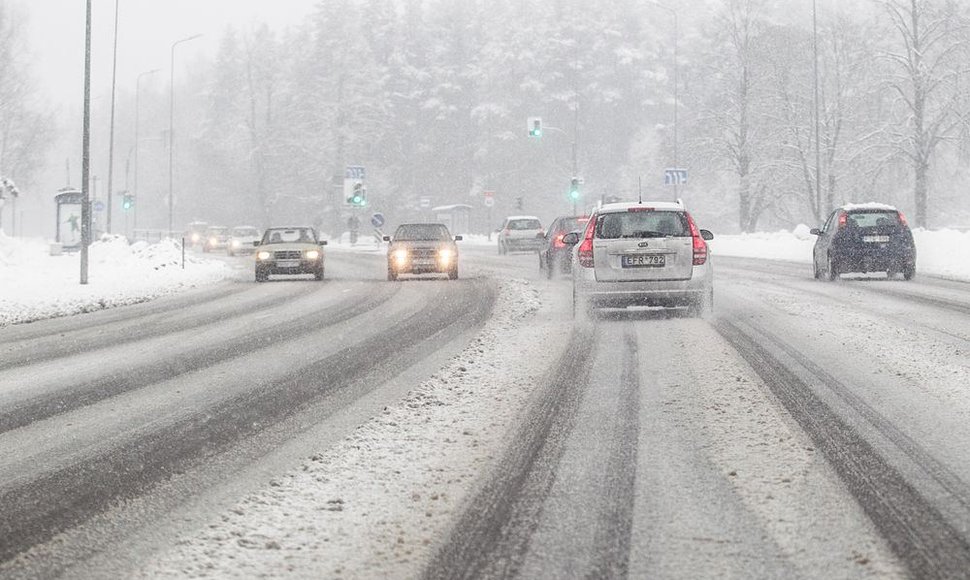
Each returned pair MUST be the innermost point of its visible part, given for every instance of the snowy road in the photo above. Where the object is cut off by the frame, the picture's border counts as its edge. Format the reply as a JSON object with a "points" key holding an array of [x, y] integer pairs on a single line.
{"points": [[472, 430]]}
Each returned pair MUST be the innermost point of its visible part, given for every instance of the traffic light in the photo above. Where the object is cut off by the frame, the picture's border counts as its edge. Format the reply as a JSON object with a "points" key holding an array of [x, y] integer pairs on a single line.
{"points": [[127, 202], [535, 127], [574, 189], [359, 196]]}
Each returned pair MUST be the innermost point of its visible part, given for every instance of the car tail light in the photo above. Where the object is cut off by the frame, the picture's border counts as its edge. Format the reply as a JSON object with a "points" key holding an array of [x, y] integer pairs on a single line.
{"points": [[902, 219], [843, 218], [506, 232], [557, 241], [585, 252], [700, 246], [640, 208]]}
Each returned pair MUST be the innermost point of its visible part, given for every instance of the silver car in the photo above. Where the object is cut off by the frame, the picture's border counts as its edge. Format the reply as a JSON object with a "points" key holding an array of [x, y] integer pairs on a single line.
{"points": [[521, 233], [642, 254]]}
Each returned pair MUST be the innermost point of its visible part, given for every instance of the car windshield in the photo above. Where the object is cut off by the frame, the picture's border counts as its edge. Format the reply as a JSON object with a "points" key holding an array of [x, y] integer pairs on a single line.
{"points": [[869, 219], [524, 224], [642, 224], [416, 232], [289, 236]]}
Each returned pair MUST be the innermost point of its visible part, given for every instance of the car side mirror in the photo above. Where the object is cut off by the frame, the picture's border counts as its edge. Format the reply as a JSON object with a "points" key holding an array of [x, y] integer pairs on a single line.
{"points": [[571, 239], [541, 236], [323, 243], [815, 231], [386, 238], [256, 244], [458, 238], [707, 235]]}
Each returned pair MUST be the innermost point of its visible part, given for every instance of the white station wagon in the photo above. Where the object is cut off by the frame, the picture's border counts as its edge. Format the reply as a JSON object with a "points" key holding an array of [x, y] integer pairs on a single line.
{"points": [[642, 254]]}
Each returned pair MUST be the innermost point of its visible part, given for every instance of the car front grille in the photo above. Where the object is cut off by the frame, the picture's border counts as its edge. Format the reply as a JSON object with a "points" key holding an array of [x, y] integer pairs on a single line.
{"points": [[287, 254], [423, 253]]}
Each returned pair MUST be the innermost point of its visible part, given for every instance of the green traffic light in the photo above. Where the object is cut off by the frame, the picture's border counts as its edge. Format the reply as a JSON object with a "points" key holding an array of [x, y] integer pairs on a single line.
{"points": [[357, 200]]}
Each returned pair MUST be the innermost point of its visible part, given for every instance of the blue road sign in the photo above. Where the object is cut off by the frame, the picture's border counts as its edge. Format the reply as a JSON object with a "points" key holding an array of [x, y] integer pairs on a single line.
{"points": [[675, 176], [377, 220]]}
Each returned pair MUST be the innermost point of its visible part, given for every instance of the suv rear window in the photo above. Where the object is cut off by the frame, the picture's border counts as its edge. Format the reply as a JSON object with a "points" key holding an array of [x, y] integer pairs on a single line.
{"points": [[524, 225], [871, 219], [642, 224]]}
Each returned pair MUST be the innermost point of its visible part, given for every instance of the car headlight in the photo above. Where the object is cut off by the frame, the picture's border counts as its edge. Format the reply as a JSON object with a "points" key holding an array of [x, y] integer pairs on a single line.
{"points": [[235, 243], [264, 255], [213, 241], [400, 256], [312, 254], [195, 238], [445, 255]]}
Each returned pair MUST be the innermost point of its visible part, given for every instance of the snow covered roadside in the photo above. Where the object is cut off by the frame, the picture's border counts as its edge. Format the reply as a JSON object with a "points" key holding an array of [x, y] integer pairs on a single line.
{"points": [[35, 285], [943, 253], [374, 505]]}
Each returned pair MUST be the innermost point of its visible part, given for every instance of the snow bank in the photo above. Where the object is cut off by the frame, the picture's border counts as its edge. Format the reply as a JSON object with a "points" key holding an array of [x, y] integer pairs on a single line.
{"points": [[35, 285], [943, 253]]}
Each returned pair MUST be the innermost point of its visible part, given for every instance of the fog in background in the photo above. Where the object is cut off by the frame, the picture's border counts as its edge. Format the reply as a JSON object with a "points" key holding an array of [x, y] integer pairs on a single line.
{"points": [[432, 98]]}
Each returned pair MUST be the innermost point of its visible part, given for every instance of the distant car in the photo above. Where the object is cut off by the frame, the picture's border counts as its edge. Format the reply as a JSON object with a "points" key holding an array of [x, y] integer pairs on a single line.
{"points": [[289, 251], [422, 249], [556, 256], [864, 238], [642, 254], [195, 233], [241, 240], [520, 233], [215, 238]]}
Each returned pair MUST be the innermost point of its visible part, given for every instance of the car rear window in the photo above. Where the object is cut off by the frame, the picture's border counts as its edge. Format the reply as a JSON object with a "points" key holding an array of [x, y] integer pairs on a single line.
{"points": [[422, 232], [871, 219], [524, 225], [642, 224], [566, 225]]}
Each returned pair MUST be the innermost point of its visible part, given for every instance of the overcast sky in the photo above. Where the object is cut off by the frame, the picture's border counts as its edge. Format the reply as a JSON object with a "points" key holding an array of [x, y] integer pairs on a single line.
{"points": [[146, 31]]}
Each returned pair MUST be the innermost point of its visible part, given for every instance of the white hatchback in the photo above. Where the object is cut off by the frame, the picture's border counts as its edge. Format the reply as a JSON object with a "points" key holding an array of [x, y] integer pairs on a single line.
{"points": [[642, 254]]}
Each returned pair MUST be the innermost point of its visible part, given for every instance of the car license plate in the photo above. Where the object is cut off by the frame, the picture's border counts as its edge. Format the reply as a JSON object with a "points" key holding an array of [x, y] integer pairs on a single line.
{"points": [[644, 261], [876, 239], [288, 264]]}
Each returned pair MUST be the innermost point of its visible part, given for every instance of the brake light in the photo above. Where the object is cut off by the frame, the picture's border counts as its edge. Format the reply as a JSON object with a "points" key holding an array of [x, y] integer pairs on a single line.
{"points": [[557, 241], [506, 232], [585, 252], [843, 219], [700, 246], [902, 219], [640, 208]]}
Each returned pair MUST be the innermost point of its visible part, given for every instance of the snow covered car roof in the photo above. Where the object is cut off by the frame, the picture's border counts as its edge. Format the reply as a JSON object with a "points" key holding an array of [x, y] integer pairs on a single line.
{"points": [[868, 205], [627, 205], [522, 217]]}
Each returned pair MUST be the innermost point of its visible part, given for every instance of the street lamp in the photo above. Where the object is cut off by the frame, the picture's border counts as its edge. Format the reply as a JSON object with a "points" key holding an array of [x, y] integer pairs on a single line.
{"points": [[676, 62], [171, 138], [111, 134], [86, 149], [134, 216]]}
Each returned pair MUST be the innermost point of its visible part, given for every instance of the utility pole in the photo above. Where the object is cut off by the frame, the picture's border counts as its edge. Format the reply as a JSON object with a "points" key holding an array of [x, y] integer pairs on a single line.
{"points": [[818, 152], [134, 217], [86, 151], [111, 134]]}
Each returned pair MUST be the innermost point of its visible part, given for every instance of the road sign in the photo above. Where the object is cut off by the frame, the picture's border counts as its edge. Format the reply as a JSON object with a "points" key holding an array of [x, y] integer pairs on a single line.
{"points": [[354, 172], [424, 203], [377, 220], [489, 198], [99, 206], [674, 176]]}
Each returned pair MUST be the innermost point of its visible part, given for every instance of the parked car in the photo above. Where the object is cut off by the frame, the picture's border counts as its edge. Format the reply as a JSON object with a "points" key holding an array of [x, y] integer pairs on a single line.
{"points": [[555, 256], [520, 233], [195, 233], [642, 254], [289, 251], [422, 249], [215, 238], [241, 240], [864, 238]]}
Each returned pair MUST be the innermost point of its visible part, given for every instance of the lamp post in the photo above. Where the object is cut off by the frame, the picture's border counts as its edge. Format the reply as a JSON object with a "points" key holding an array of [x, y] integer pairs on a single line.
{"points": [[171, 137], [111, 133], [818, 153], [134, 217], [86, 150], [676, 80]]}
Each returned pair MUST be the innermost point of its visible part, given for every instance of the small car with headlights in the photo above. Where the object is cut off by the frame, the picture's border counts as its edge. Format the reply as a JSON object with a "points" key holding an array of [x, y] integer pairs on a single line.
{"points": [[289, 251], [642, 254], [869, 237], [215, 238], [241, 240], [195, 233], [422, 248]]}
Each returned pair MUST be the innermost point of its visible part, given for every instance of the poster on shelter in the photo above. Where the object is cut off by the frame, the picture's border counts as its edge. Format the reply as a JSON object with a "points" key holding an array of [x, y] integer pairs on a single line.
{"points": [[69, 226]]}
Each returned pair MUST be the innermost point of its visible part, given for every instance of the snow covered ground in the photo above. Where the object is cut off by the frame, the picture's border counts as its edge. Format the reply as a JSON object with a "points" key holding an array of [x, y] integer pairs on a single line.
{"points": [[938, 252], [35, 285]]}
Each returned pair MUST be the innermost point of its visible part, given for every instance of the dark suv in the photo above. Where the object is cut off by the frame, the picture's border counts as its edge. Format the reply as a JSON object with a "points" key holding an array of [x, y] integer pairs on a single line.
{"points": [[556, 255], [864, 238]]}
